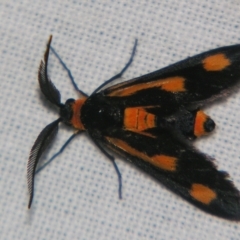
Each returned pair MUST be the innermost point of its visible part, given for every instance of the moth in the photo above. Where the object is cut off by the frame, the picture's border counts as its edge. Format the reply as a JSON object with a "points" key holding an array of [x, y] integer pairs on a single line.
{"points": [[152, 121]]}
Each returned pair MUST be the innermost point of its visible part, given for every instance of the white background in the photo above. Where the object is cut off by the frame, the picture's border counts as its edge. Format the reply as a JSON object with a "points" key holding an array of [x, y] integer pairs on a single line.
{"points": [[76, 196]]}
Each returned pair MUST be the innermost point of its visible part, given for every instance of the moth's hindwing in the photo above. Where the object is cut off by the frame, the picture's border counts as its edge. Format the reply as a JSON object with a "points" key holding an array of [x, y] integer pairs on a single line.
{"points": [[182, 168]]}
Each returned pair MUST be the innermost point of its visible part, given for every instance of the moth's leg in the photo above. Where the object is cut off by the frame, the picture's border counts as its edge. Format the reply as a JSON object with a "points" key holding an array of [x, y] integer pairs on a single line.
{"points": [[111, 158], [59, 152], [120, 73]]}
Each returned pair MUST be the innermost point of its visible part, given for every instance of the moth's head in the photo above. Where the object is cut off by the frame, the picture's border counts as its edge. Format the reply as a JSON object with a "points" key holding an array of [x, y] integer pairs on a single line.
{"points": [[69, 114], [66, 111], [70, 111]]}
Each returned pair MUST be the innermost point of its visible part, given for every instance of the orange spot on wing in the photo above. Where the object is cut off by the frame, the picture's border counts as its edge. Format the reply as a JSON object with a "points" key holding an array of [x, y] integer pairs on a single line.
{"points": [[202, 193], [174, 84], [216, 62], [171, 84], [164, 162], [76, 117], [200, 119]]}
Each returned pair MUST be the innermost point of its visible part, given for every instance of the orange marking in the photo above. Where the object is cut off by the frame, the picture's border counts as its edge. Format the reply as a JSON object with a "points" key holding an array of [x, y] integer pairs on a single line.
{"points": [[130, 118], [76, 118], [202, 193], [216, 62], [151, 120], [142, 124], [171, 84], [138, 119], [143, 133], [174, 84], [200, 119], [164, 162]]}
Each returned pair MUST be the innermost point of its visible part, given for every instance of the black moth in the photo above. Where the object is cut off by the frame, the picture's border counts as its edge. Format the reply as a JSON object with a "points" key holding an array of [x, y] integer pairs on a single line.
{"points": [[151, 121]]}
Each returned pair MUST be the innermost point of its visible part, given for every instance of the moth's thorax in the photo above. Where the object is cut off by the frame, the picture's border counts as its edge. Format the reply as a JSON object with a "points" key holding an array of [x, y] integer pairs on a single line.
{"points": [[99, 113]]}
